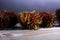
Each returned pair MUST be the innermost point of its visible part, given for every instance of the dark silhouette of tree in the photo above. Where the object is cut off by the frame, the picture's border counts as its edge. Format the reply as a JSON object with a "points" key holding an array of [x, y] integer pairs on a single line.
{"points": [[58, 15], [7, 20]]}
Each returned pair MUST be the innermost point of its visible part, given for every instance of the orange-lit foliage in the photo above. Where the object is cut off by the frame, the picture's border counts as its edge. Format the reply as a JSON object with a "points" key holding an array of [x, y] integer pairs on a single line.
{"points": [[35, 20]]}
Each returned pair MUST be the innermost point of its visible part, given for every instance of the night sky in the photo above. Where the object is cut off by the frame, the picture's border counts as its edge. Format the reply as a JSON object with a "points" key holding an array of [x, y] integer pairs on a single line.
{"points": [[29, 5]]}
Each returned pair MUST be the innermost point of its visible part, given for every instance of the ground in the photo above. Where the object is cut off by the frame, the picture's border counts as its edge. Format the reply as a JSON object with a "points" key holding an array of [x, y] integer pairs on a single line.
{"points": [[41, 34]]}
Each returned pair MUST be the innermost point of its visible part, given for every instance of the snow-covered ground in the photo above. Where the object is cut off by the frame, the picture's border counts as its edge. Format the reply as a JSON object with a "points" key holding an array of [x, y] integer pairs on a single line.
{"points": [[41, 34]]}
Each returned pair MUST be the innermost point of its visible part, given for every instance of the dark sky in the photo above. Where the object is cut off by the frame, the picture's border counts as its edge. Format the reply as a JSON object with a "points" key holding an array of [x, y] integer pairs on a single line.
{"points": [[29, 5]]}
